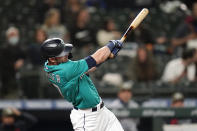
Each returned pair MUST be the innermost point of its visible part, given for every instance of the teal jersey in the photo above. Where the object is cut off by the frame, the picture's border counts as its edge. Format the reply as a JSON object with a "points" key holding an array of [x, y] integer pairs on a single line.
{"points": [[72, 82]]}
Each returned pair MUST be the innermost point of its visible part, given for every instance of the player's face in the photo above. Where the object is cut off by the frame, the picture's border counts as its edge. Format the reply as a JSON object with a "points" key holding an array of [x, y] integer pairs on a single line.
{"points": [[8, 120], [61, 59], [57, 60]]}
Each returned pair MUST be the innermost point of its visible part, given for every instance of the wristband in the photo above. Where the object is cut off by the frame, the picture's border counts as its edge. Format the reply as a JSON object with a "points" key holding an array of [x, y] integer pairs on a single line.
{"points": [[90, 61]]}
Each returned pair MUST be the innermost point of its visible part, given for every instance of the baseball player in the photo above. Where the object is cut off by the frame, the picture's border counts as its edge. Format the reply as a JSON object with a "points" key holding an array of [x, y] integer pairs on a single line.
{"points": [[74, 84]]}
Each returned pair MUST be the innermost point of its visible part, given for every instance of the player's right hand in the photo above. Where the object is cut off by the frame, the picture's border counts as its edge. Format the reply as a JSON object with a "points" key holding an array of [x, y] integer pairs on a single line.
{"points": [[118, 46]]}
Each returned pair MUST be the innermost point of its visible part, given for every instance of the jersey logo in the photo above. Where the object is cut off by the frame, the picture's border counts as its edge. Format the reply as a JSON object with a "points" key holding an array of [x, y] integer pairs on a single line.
{"points": [[54, 77]]}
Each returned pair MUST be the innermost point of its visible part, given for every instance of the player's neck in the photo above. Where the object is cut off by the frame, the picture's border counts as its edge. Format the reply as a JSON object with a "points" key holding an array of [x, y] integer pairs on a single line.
{"points": [[53, 63], [56, 62]]}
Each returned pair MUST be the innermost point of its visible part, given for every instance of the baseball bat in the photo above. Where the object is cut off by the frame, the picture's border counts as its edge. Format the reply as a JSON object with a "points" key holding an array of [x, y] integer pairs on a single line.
{"points": [[134, 24]]}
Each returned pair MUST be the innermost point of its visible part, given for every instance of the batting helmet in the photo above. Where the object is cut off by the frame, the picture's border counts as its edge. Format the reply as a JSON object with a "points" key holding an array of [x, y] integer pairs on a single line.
{"points": [[55, 47]]}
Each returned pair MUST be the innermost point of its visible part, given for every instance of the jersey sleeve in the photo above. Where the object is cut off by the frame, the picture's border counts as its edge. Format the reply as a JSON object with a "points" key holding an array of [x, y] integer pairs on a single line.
{"points": [[80, 67]]}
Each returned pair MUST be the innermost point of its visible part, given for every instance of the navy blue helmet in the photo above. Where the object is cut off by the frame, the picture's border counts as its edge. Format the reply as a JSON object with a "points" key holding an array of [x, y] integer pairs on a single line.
{"points": [[55, 47]]}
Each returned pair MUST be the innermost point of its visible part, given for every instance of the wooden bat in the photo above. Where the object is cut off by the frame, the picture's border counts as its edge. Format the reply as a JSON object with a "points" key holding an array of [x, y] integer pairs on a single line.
{"points": [[138, 19], [134, 24]]}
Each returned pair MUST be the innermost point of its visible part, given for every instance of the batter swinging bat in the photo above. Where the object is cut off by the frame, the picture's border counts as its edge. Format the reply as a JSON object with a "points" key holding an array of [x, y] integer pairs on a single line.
{"points": [[138, 19]]}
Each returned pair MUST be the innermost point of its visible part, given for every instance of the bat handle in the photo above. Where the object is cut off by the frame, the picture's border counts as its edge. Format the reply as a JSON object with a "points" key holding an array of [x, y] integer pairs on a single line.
{"points": [[122, 39]]}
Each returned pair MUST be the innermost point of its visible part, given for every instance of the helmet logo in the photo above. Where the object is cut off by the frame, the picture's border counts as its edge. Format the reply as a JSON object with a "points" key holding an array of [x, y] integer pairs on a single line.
{"points": [[52, 45]]}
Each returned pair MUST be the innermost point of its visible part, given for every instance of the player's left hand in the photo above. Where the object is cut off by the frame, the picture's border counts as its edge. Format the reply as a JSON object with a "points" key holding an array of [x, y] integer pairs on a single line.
{"points": [[118, 46]]}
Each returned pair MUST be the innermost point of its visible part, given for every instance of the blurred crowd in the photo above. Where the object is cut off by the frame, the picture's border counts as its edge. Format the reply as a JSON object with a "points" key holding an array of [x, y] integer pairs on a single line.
{"points": [[157, 58], [14, 120]]}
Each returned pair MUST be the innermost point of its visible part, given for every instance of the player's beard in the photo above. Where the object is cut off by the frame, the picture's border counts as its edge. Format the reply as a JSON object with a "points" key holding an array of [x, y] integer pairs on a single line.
{"points": [[58, 60], [63, 59]]}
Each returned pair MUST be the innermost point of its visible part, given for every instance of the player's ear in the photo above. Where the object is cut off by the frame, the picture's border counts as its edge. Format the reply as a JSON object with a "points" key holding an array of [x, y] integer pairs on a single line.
{"points": [[52, 59]]}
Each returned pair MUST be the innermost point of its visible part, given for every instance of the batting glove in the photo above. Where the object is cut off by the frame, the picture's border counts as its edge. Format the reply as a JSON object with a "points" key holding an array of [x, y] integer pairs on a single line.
{"points": [[114, 43], [117, 48]]}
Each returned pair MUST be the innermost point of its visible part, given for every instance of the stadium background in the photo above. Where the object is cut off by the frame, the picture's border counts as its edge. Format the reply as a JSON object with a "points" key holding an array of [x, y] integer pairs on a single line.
{"points": [[32, 93]]}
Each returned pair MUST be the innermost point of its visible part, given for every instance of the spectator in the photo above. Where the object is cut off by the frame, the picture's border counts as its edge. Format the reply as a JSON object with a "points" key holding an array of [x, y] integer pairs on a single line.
{"points": [[53, 27], [192, 69], [45, 6], [14, 120], [83, 36], [177, 69], [142, 35], [118, 4], [33, 87], [161, 46], [12, 59], [125, 101], [34, 49], [95, 3], [186, 33], [109, 32], [143, 67], [178, 102], [72, 8]]}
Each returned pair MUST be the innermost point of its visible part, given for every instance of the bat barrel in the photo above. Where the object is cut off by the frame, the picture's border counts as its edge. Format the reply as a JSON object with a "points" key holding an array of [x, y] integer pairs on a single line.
{"points": [[139, 18]]}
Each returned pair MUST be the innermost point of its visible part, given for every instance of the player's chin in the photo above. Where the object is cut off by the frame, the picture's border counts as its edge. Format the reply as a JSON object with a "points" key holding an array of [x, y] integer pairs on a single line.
{"points": [[65, 58]]}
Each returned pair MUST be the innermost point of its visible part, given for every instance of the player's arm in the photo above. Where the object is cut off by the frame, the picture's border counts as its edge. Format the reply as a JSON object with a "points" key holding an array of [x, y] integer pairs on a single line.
{"points": [[102, 54], [90, 63]]}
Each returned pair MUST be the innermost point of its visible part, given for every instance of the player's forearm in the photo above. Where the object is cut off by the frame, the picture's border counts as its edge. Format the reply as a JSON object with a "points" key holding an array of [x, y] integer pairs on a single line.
{"points": [[101, 55], [109, 51]]}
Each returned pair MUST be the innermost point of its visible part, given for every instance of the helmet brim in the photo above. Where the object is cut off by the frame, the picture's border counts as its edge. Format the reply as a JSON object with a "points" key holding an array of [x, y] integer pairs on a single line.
{"points": [[66, 51]]}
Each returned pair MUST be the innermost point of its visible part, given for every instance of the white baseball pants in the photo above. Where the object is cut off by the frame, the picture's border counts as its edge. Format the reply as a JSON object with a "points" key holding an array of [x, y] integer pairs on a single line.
{"points": [[100, 120]]}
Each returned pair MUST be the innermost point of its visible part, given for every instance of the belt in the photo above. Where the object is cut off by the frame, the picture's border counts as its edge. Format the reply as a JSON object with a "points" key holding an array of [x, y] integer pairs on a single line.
{"points": [[94, 108]]}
